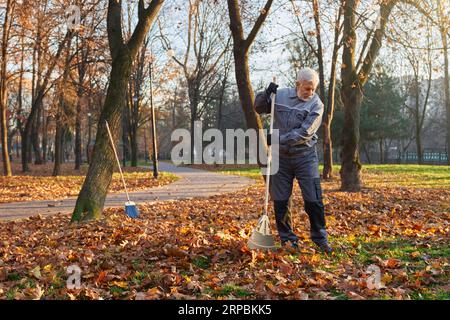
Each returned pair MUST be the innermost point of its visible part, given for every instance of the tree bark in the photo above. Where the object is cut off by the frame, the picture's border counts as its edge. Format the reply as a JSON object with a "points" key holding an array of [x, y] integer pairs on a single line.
{"points": [[3, 90], [351, 165]]}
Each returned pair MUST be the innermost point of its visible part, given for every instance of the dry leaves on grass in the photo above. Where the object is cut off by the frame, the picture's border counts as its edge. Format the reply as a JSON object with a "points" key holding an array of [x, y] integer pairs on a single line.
{"points": [[197, 249], [47, 187]]}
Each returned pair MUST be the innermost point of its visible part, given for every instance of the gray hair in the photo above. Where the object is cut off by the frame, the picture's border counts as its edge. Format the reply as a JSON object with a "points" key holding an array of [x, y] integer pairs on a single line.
{"points": [[308, 74]]}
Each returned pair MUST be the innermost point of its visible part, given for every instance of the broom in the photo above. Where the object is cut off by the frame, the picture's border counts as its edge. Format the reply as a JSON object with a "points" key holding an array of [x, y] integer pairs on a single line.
{"points": [[130, 207], [261, 237]]}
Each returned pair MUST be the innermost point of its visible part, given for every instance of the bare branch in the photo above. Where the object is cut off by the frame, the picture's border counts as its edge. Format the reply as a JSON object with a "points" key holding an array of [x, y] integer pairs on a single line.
{"points": [[261, 18]]}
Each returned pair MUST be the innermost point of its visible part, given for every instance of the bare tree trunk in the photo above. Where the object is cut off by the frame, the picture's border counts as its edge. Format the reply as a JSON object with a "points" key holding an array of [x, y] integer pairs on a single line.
{"points": [[78, 156], [367, 153], [319, 51], [418, 126], [58, 148], [3, 90], [351, 165], [194, 93], [46, 120], [327, 140], [20, 92], [88, 144], [125, 141], [174, 119], [381, 151], [61, 117], [443, 28], [83, 54], [35, 135]]}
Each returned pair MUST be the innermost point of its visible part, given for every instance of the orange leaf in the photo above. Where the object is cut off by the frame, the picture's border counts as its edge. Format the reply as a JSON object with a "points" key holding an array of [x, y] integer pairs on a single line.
{"points": [[101, 276]]}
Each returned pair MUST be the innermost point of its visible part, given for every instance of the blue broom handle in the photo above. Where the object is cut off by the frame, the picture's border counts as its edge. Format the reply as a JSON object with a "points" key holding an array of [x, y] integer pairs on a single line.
{"points": [[117, 159]]}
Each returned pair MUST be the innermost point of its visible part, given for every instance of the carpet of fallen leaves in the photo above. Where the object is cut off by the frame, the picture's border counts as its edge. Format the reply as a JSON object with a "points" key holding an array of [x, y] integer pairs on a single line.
{"points": [[39, 184], [196, 249]]}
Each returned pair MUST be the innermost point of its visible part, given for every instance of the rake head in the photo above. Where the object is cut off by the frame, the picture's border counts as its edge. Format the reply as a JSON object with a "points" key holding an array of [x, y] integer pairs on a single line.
{"points": [[261, 237]]}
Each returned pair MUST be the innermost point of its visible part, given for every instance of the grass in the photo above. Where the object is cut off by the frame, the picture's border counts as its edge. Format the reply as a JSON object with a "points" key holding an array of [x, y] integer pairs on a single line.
{"points": [[228, 289], [339, 295], [382, 175], [391, 248], [427, 295], [201, 262]]}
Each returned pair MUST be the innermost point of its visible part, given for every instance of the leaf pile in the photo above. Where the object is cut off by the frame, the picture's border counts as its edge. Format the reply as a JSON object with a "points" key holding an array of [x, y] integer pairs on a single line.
{"points": [[42, 186], [197, 249]]}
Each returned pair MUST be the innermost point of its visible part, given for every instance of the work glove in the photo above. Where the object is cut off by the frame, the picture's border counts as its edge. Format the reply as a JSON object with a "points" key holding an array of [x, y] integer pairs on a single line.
{"points": [[272, 88]]}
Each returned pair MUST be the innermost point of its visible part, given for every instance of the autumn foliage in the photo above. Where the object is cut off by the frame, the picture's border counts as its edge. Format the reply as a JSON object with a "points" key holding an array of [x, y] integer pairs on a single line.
{"points": [[197, 249]]}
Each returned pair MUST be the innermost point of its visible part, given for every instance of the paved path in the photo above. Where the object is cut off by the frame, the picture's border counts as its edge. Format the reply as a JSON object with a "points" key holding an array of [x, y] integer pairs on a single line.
{"points": [[192, 183]]}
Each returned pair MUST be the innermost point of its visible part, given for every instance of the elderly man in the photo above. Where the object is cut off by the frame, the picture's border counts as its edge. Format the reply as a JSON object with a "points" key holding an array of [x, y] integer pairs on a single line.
{"points": [[297, 116]]}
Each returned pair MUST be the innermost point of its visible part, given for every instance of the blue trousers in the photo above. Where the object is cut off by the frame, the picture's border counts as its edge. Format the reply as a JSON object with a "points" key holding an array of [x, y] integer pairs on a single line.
{"points": [[304, 167]]}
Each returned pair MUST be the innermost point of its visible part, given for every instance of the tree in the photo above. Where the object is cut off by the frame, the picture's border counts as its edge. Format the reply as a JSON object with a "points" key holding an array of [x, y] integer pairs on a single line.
{"points": [[382, 116], [318, 51], [41, 80], [418, 101], [241, 47], [354, 74], [3, 87], [205, 47], [92, 196], [62, 112], [353, 79], [443, 21], [85, 55]]}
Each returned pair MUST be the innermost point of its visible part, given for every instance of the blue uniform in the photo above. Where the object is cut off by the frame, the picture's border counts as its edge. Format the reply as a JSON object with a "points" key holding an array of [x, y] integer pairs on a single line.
{"points": [[297, 121]]}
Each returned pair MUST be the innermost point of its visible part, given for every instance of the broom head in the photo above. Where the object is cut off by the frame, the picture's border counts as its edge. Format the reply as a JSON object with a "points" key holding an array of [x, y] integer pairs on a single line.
{"points": [[131, 210]]}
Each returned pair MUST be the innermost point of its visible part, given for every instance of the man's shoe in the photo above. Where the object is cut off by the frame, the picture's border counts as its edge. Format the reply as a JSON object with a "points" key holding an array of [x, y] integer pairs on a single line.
{"points": [[288, 245], [326, 248]]}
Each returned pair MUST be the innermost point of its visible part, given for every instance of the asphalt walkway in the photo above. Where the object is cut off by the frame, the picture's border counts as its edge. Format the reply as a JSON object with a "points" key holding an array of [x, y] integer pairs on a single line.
{"points": [[192, 183]]}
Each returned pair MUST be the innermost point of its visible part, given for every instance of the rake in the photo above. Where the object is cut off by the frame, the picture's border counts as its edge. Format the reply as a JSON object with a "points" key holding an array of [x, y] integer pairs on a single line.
{"points": [[262, 237]]}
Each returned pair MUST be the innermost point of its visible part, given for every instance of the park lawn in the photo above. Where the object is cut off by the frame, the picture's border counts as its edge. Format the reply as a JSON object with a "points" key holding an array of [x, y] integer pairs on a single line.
{"points": [[196, 249], [39, 184], [376, 175]]}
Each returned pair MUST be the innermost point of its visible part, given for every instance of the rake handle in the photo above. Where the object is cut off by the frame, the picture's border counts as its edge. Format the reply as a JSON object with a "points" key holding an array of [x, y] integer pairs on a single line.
{"points": [[269, 155], [117, 158]]}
